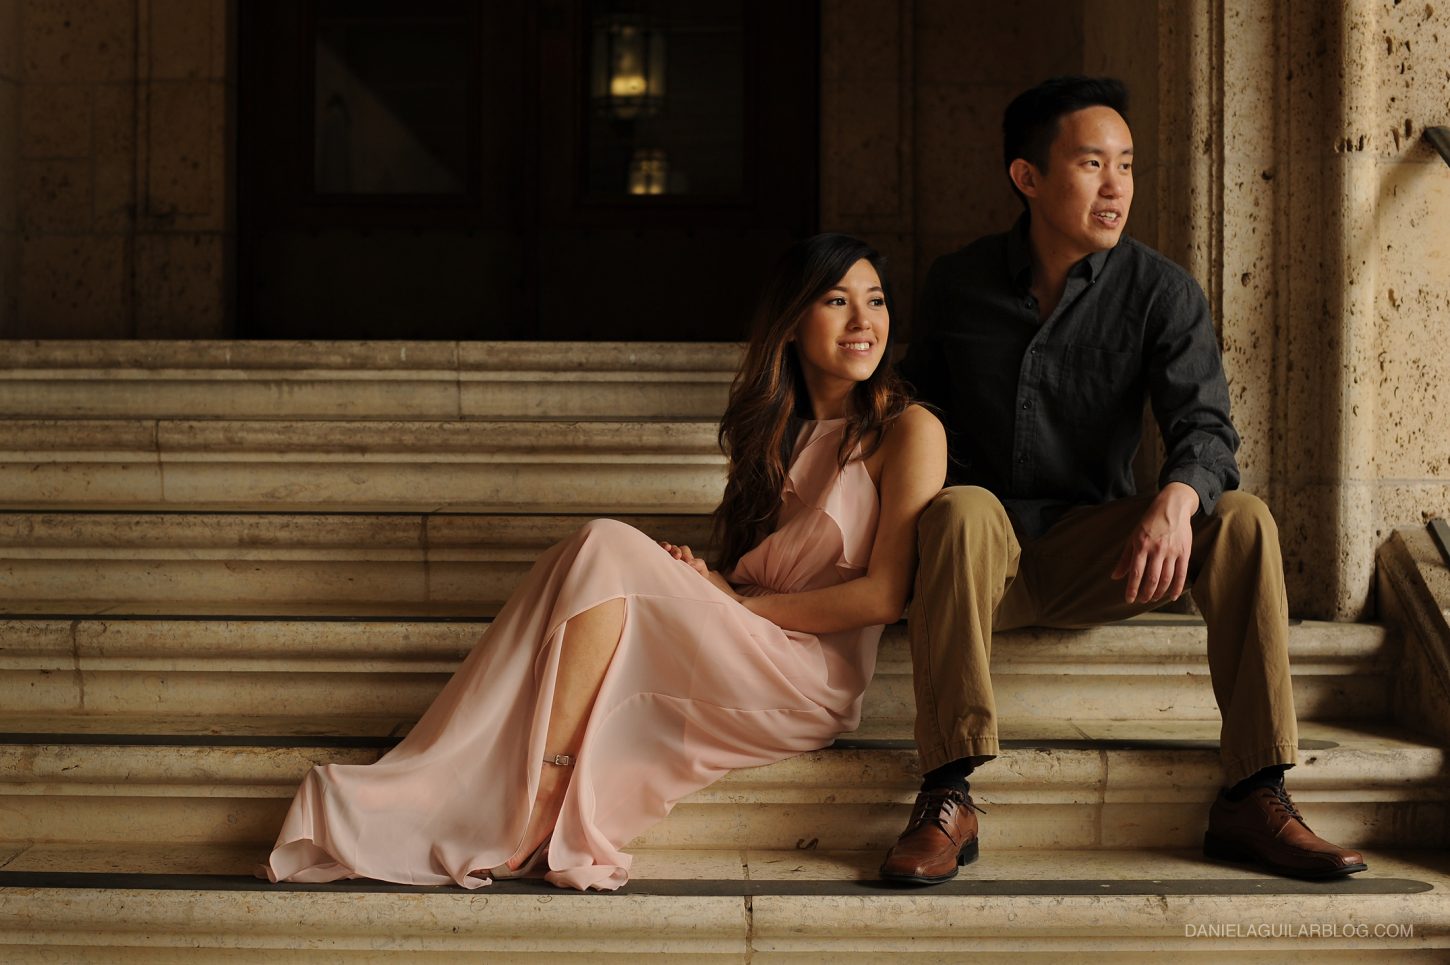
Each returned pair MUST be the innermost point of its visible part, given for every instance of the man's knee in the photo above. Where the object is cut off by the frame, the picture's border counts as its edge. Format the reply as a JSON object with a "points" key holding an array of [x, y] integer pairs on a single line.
{"points": [[1245, 513], [969, 512]]}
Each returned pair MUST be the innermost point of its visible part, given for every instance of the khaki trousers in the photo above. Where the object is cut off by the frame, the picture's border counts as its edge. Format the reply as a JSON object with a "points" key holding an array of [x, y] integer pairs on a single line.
{"points": [[974, 577]]}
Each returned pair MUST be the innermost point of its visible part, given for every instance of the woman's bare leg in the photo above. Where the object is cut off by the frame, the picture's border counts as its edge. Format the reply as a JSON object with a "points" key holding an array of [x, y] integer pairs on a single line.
{"points": [[590, 639]]}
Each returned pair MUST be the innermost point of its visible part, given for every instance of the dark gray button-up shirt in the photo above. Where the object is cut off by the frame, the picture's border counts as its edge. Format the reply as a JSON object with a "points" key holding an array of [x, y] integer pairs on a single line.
{"points": [[1048, 414]]}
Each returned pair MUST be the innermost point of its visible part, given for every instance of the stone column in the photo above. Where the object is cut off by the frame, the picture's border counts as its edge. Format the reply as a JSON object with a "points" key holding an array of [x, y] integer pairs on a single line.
{"points": [[1246, 108], [1295, 186], [1354, 269]]}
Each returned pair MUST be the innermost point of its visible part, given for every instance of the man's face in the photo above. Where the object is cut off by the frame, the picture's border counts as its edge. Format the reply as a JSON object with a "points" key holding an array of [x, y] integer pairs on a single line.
{"points": [[1082, 201]]}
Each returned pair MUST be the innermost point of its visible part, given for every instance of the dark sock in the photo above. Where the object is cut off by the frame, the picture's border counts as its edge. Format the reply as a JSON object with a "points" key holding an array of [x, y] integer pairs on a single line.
{"points": [[1271, 776], [953, 774]]}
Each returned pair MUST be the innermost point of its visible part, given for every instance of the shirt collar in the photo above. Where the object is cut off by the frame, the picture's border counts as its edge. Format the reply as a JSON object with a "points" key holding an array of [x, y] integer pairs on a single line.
{"points": [[1019, 257]]}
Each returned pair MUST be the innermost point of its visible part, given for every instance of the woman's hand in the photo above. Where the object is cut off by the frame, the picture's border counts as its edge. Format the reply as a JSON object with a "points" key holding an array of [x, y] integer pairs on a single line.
{"points": [[683, 554]]}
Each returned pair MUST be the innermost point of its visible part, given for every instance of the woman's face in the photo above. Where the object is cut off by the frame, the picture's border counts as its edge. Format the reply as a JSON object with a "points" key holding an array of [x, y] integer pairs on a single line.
{"points": [[842, 336]]}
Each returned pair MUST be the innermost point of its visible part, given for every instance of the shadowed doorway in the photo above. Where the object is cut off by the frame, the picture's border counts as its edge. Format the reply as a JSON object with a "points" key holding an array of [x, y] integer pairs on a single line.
{"points": [[565, 170]]}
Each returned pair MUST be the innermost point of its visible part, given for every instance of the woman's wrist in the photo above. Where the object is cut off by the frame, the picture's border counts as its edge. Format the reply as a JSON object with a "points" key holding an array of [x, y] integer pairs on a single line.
{"points": [[722, 584], [753, 603]]}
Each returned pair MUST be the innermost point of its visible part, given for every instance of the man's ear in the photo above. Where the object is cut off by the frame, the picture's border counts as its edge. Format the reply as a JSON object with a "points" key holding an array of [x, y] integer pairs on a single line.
{"points": [[1024, 174]]}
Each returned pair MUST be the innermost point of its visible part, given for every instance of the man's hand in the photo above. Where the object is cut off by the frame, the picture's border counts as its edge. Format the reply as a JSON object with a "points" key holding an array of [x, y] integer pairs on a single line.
{"points": [[1155, 559]]}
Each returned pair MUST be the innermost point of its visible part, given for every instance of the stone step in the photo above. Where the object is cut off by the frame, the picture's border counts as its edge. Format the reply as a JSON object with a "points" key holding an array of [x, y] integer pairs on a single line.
{"points": [[360, 466], [408, 559], [169, 903], [1067, 784], [381, 674], [364, 380]]}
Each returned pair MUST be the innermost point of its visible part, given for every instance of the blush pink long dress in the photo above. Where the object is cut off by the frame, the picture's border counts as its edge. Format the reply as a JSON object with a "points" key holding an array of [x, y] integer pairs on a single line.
{"points": [[699, 686]]}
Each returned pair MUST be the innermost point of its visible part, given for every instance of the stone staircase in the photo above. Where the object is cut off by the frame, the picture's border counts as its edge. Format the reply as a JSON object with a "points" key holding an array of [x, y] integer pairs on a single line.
{"points": [[222, 563]]}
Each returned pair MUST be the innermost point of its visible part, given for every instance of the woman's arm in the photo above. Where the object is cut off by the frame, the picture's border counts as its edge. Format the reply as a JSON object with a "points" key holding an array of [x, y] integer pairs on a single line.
{"points": [[913, 469]]}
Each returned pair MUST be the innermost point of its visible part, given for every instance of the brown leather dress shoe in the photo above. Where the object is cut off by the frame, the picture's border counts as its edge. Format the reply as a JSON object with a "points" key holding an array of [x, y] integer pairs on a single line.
{"points": [[939, 839], [1267, 828]]}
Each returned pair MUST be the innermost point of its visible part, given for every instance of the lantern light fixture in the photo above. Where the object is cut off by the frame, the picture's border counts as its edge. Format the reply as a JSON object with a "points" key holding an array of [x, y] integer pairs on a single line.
{"points": [[628, 70], [649, 172]]}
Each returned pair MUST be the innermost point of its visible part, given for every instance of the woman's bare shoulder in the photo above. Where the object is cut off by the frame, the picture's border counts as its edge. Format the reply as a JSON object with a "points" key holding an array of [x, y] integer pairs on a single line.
{"points": [[915, 441], [916, 426]]}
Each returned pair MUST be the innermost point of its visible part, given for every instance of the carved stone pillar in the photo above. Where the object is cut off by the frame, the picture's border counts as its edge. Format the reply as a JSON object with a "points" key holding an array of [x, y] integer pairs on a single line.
{"points": [[1292, 181]]}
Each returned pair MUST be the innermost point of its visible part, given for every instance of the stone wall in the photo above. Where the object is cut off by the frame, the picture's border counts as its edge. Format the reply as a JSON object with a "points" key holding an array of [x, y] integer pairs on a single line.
{"points": [[912, 94], [1296, 185], [122, 201], [1120, 39], [1406, 190], [9, 152]]}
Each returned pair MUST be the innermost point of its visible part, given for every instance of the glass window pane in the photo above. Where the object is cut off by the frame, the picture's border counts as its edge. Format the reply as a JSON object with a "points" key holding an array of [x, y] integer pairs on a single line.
{"points": [[391, 98]]}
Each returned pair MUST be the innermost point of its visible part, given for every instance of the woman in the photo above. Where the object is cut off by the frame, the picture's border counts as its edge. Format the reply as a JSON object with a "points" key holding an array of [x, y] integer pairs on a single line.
{"points": [[624, 674]]}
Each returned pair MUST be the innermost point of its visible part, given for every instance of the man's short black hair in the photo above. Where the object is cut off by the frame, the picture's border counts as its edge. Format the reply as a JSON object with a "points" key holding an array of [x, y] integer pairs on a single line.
{"points": [[1031, 121]]}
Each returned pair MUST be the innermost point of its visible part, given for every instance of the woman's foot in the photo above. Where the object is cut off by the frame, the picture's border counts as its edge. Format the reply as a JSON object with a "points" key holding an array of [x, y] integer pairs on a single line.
{"points": [[536, 865], [553, 782]]}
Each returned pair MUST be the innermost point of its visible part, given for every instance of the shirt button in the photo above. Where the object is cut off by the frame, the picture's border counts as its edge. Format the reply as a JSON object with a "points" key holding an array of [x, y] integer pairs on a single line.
{"points": [[1032, 350], [1027, 405]]}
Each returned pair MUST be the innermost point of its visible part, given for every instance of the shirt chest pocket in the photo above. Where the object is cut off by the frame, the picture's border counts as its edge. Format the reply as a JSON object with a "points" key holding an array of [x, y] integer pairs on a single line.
{"points": [[1085, 384]]}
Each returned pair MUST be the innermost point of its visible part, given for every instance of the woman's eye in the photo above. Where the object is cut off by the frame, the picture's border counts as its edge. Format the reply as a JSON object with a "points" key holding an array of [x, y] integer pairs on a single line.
{"points": [[878, 302], [836, 300]]}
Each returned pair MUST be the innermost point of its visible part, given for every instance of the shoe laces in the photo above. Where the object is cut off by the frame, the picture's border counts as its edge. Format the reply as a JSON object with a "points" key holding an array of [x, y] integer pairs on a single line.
{"points": [[1282, 799], [939, 805]]}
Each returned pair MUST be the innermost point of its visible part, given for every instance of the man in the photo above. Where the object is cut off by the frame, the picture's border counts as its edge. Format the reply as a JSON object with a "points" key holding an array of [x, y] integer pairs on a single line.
{"points": [[1039, 346]]}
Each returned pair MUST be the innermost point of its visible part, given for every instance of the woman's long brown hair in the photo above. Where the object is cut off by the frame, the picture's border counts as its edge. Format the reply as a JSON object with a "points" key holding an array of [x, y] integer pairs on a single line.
{"points": [[768, 399]]}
